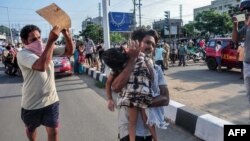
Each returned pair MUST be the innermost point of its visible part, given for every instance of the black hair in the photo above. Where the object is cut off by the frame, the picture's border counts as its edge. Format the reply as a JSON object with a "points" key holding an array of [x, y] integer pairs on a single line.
{"points": [[140, 33], [27, 29], [115, 58], [8, 47], [219, 42]]}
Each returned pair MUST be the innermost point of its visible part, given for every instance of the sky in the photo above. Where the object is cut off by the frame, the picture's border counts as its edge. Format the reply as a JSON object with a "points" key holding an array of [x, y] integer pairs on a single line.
{"points": [[22, 12]]}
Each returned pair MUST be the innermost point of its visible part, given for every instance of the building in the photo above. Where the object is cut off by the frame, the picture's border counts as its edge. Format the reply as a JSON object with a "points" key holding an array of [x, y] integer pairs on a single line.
{"points": [[220, 6], [175, 25], [88, 21], [2, 39]]}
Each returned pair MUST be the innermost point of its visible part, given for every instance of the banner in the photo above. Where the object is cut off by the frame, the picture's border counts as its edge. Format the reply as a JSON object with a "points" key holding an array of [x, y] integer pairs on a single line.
{"points": [[173, 30], [120, 22]]}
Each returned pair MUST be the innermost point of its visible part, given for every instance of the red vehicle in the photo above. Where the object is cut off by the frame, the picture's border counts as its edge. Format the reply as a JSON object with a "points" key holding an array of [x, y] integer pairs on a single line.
{"points": [[62, 66], [229, 54]]}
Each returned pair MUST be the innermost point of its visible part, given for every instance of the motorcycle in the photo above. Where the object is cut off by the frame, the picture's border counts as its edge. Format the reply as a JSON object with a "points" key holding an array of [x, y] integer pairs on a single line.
{"points": [[196, 54], [11, 68]]}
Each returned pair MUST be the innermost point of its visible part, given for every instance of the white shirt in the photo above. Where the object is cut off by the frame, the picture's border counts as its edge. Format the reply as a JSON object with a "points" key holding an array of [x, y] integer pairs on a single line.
{"points": [[159, 53], [39, 88]]}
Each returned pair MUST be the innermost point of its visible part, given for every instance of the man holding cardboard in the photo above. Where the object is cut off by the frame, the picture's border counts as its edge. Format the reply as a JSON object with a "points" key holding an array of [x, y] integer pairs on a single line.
{"points": [[40, 102]]}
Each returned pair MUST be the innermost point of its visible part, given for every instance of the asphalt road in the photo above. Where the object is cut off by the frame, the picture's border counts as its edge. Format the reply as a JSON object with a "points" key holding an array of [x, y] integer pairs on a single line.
{"points": [[83, 112], [221, 94]]}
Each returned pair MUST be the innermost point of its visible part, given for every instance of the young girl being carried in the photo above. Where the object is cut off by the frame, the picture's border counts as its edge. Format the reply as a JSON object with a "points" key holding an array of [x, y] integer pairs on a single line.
{"points": [[137, 95]]}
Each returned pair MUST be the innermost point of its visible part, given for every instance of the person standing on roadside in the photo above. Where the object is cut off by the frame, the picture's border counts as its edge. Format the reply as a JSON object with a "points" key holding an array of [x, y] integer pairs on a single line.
{"points": [[218, 50], [76, 63], [238, 35], [182, 51], [89, 50], [40, 102], [159, 51], [173, 52], [240, 58], [81, 58], [166, 47]]}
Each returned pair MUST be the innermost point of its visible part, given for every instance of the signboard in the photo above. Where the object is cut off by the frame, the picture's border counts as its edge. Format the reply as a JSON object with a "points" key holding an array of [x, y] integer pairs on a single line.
{"points": [[173, 30], [120, 22]]}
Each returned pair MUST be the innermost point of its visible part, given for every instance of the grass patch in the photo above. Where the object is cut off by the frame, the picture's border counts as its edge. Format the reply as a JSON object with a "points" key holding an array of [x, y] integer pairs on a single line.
{"points": [[99, 84]]}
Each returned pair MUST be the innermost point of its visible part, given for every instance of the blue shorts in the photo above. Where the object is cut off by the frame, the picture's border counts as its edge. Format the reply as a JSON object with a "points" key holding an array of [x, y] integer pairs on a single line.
{"points": [[218, 60], [47, 116]]}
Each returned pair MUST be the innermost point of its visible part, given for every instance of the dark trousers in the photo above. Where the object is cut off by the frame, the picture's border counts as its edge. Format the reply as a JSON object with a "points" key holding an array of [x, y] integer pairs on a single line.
{"points": [[160, 63], [182, 60], [172, 58], [76, 66]]}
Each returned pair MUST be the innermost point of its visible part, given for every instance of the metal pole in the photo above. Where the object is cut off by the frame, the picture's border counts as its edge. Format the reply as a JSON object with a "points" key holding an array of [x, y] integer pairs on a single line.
{"points": [[134, 19], [140, 12], [169, 23], [9, 26], [105, 24]]}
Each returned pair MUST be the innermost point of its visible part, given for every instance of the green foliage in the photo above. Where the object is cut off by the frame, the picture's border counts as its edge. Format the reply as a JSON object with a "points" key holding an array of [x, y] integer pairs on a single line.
{"points": [[95, 32], [213, 22], [100, 84], [116, 37], [4, 29], [234, 11], [189, 29]]}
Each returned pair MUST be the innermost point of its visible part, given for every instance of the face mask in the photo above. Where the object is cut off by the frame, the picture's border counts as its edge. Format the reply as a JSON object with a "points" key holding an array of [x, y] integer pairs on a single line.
{"points": [[36, 47]]}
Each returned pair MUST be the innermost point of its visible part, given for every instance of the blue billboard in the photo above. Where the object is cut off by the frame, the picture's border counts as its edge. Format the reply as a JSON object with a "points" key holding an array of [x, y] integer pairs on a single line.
{"points": [[120, 22]]}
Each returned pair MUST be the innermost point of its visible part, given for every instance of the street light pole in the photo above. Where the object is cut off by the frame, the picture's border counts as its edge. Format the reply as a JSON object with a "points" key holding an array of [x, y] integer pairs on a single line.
{"points": [[9, 23], [134, 19], [105, 24], [140, 12]]}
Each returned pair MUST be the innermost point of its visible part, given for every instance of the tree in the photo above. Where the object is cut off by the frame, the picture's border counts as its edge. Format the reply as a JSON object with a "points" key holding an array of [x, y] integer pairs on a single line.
{"points": [[116, 38], [189, 30], [234, 11], [4, 29], [213, 23], [93, 31]]}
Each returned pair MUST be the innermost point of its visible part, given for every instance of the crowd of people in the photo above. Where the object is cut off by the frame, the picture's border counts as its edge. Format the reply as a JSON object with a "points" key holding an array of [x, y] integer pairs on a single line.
{"points": [[167, 53], [87, 53]]}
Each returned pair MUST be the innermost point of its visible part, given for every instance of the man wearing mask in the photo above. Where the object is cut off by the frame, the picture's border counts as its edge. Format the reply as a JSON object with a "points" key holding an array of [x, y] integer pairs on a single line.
{"points": [[40, 102], [238, 35]]}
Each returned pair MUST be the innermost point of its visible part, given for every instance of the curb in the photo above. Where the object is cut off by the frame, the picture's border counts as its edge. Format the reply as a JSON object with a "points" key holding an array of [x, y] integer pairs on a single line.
{"points": [[204, 126]]}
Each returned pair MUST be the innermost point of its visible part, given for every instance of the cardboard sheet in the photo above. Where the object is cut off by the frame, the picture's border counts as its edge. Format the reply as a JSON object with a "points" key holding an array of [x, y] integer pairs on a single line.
{"points": [[55, 16]]}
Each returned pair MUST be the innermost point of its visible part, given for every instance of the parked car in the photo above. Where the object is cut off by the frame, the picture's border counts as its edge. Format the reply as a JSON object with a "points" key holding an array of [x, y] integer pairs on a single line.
{"points": [[62, 66], [229, 54]]}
